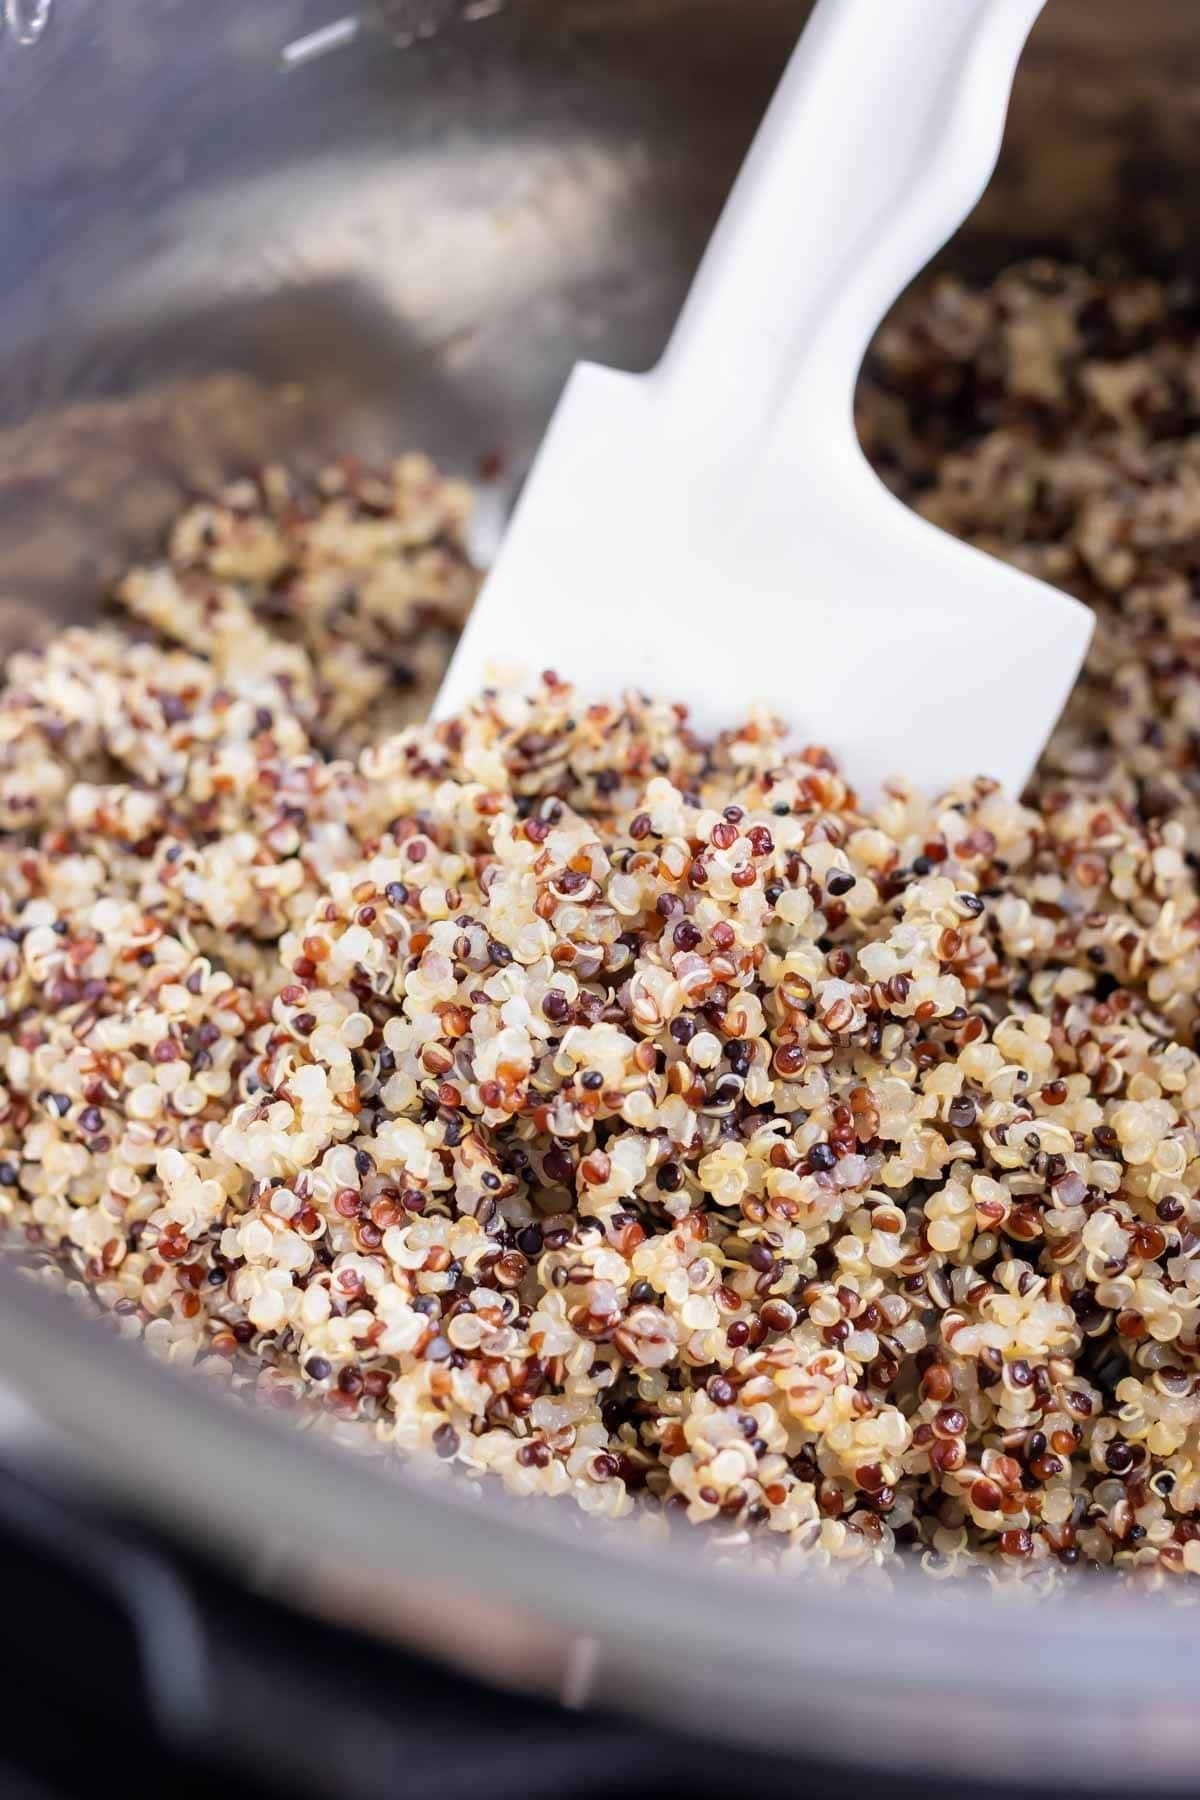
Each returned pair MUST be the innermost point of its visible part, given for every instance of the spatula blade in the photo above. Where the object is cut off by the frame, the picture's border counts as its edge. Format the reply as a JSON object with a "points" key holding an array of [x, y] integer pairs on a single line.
{"points": [[865, 628]]}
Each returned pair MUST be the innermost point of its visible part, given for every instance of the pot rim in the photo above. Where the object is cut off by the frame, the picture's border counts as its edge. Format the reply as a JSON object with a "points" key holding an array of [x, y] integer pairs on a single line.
{"points": [[601, 1614]]}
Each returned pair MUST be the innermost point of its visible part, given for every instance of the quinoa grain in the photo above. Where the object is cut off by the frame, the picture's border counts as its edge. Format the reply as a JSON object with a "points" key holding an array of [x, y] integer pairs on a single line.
{"points": [[628, 1116]]}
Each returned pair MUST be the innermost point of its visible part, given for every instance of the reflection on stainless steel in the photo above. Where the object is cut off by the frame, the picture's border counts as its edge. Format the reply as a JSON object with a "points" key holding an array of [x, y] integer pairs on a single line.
{"points": [[319, 42], [403, 23], [25, 20], [207, 264]]}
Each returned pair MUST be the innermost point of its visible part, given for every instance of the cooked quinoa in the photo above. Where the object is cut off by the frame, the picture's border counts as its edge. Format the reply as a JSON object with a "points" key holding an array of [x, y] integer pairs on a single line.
{"points": [[624, 1115]]}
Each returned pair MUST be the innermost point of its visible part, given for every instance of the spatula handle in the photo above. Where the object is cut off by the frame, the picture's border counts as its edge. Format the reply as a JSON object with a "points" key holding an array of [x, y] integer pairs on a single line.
{"points": [[879, 141]]}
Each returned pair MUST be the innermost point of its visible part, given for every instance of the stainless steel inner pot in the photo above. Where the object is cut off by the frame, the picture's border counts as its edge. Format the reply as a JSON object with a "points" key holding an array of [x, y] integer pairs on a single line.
{"points": [[216, 249]]}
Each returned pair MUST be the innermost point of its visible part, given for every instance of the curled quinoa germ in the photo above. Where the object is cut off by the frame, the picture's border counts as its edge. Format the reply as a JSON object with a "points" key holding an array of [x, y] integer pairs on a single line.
{"points": [[628, 1116]]}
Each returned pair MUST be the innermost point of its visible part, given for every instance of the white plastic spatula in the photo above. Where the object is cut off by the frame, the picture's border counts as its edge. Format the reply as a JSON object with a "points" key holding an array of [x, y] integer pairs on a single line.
{"points": [[711, 532]]}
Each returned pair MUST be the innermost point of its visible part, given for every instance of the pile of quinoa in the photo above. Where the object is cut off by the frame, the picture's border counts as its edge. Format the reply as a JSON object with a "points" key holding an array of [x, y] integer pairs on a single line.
{"points": [[623, 1115]]}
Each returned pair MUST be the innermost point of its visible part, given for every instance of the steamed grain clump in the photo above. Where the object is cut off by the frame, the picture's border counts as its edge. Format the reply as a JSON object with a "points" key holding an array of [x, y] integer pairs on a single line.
{"points": [[625, 1115]]}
